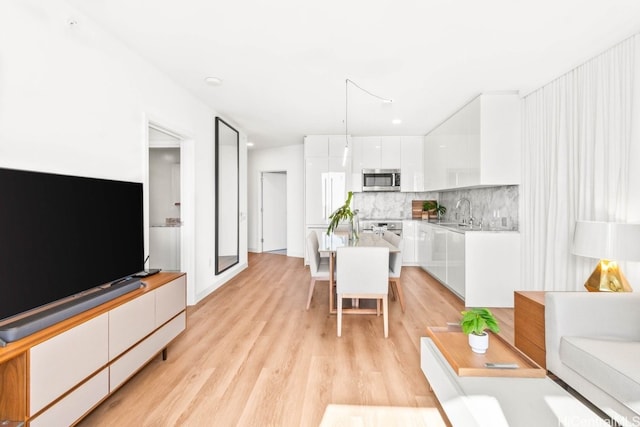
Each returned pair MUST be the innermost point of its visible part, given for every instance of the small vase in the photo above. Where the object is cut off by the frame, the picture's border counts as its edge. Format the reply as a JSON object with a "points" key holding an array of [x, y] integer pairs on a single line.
{"points": [[353, 231], [479, 343]]}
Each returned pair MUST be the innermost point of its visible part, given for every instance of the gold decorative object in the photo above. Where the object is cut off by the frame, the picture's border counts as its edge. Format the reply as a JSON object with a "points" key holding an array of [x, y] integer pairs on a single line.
{"points": [[607, 277], [609, 242]]}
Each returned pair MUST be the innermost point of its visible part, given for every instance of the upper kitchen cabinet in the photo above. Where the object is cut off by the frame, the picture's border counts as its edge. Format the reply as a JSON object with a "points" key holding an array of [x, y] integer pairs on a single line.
{"points": [[389, 152], [376, 152], [477, 146], [412, 166], [390, 156], [324, 145]]}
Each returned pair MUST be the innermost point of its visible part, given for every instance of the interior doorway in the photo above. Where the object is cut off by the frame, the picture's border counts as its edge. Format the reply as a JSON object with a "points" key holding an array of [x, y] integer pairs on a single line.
{"points": [[274, 212], [165, 219]]}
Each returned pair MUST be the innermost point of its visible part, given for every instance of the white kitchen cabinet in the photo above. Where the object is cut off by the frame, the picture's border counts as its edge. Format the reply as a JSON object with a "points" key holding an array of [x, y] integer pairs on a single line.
{"points": [[412, 164], [492, 268], [432, 250], [437, 263], [456, 262], [435, 162], [337, 144], [390, 152], [410, 237], [324, 145], [477, 146], [424, 245], [483, 268], [376, 152], [366, 153]]}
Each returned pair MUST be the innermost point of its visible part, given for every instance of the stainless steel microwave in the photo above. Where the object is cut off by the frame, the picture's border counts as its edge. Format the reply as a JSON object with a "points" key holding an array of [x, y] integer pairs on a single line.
{"points": [[380, 179]]}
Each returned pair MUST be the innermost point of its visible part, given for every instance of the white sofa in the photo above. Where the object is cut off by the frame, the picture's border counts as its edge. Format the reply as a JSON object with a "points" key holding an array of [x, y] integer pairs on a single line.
{"points": [[593, 345]]}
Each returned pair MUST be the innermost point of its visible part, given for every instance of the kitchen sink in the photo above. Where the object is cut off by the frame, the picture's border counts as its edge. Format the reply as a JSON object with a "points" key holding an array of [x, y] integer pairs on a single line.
{"points": [[450, 224]]}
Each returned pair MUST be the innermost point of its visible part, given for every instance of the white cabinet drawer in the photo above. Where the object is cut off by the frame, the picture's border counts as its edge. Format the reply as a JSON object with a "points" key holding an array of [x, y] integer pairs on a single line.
{"points": [[60, 363], [135, 358], [131, 322], [73, 406], [170, 299]]}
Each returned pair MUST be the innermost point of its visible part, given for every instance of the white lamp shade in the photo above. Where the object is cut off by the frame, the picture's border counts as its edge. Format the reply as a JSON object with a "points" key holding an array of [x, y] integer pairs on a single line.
{"points": [[607, 240]]}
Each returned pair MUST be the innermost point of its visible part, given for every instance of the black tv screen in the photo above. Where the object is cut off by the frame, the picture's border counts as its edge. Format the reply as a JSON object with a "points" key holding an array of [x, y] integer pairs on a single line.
{"points": [[62, 235]]}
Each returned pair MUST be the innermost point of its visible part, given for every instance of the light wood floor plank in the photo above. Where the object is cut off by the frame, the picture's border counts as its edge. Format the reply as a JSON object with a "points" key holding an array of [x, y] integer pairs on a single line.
{"points": [[252, 355]]}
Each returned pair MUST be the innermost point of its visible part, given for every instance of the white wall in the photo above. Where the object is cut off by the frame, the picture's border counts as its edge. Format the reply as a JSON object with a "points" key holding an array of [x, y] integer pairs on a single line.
{"points": [[75, 100], [291, 160]]}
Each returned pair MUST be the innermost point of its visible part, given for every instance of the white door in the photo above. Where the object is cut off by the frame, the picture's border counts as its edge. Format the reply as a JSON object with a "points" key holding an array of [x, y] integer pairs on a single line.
{"points": [[274, 211]]}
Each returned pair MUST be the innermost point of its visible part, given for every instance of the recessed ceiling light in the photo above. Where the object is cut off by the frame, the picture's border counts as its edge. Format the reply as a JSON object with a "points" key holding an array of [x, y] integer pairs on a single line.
{"points": [[396, 121], [249, 144], [213, 81]]}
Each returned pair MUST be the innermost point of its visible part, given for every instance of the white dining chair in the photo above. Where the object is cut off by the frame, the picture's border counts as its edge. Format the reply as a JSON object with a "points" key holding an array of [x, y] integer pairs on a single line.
{"points": [[395, 265], [363, 273], [319, 267]]}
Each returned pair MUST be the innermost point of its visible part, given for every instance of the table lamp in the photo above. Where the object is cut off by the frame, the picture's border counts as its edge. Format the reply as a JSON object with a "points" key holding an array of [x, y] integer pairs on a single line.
{"points": [[609, 242]]}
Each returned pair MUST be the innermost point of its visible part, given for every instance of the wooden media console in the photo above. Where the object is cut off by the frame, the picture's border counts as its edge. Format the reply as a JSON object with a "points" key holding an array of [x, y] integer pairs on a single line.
{"points": [[57, 375]]}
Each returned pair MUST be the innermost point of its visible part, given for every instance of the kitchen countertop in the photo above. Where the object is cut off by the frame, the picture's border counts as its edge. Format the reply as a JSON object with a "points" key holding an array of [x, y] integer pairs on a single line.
{"points": [[454, 226]]}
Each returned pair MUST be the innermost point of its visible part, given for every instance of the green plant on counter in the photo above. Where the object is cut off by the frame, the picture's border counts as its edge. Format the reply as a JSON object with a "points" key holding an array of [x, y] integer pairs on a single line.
{"points": [[343, 213], [433, 206], [477, 320]]}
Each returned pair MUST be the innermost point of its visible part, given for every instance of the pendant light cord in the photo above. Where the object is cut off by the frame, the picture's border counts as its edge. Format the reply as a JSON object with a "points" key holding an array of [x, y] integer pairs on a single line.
{"points": [[370, 93], [346, 104], [346, 112]]}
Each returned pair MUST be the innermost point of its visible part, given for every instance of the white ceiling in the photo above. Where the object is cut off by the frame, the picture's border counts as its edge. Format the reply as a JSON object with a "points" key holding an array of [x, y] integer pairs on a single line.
{"points": [[284, 62]]}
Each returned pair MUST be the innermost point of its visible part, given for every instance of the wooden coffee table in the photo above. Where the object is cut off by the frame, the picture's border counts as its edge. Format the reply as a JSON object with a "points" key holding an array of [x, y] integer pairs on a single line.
{"points": [[471, 395], [454, 346]]}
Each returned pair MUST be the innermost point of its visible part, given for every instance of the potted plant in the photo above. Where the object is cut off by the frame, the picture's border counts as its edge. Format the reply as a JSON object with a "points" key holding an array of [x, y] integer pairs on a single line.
{"points": [[433, 208], [474, 323], [343, 214]]}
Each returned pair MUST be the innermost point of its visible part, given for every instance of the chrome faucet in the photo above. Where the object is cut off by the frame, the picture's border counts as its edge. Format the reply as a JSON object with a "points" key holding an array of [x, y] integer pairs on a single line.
{"points": [[464, 199]]}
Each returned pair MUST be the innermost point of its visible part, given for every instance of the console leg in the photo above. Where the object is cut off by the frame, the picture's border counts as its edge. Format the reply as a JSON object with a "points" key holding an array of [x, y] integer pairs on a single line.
{"points": [[164, 353]]}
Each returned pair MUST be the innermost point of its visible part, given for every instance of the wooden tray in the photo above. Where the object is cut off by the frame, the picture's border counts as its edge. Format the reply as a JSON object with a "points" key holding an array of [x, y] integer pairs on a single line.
{"points": [[454, 346], [416, 209]]}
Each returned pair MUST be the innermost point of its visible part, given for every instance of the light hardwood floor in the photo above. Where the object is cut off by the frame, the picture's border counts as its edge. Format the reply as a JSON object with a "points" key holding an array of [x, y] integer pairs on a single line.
{"points": [[253, 356]]}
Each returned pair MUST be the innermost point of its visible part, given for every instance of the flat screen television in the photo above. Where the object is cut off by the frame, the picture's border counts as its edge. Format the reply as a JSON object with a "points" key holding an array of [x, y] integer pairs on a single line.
{"points": [[61, 236]]}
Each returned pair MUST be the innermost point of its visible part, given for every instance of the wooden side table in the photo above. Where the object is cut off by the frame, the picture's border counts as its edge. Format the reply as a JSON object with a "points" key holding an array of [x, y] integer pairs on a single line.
{"points": [[529, 325]]}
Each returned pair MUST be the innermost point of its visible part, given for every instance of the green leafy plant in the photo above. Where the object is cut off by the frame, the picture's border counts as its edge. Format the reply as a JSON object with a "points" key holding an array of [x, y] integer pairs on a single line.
{"points": [[343, 213], [433, 206], [477, 320]]}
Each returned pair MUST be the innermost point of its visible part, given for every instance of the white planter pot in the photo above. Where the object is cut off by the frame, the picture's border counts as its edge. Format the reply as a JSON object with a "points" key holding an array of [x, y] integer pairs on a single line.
{"points": [[479, 343]]}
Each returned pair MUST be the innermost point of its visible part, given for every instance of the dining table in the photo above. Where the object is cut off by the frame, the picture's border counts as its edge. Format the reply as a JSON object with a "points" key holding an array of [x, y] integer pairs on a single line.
{"points": [[328, 245]]}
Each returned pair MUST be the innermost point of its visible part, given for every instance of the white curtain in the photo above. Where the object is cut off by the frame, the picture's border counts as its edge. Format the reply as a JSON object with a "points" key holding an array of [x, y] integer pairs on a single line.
{"points": [[576, 149]]}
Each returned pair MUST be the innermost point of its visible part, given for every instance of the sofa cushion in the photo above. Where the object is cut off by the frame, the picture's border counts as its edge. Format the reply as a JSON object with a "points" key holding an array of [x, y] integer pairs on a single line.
{"points": [[610, 364]]}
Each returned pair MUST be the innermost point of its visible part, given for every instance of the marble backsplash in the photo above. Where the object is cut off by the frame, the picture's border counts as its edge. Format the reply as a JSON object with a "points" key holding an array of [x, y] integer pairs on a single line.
{"points": [[497, 207]]}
